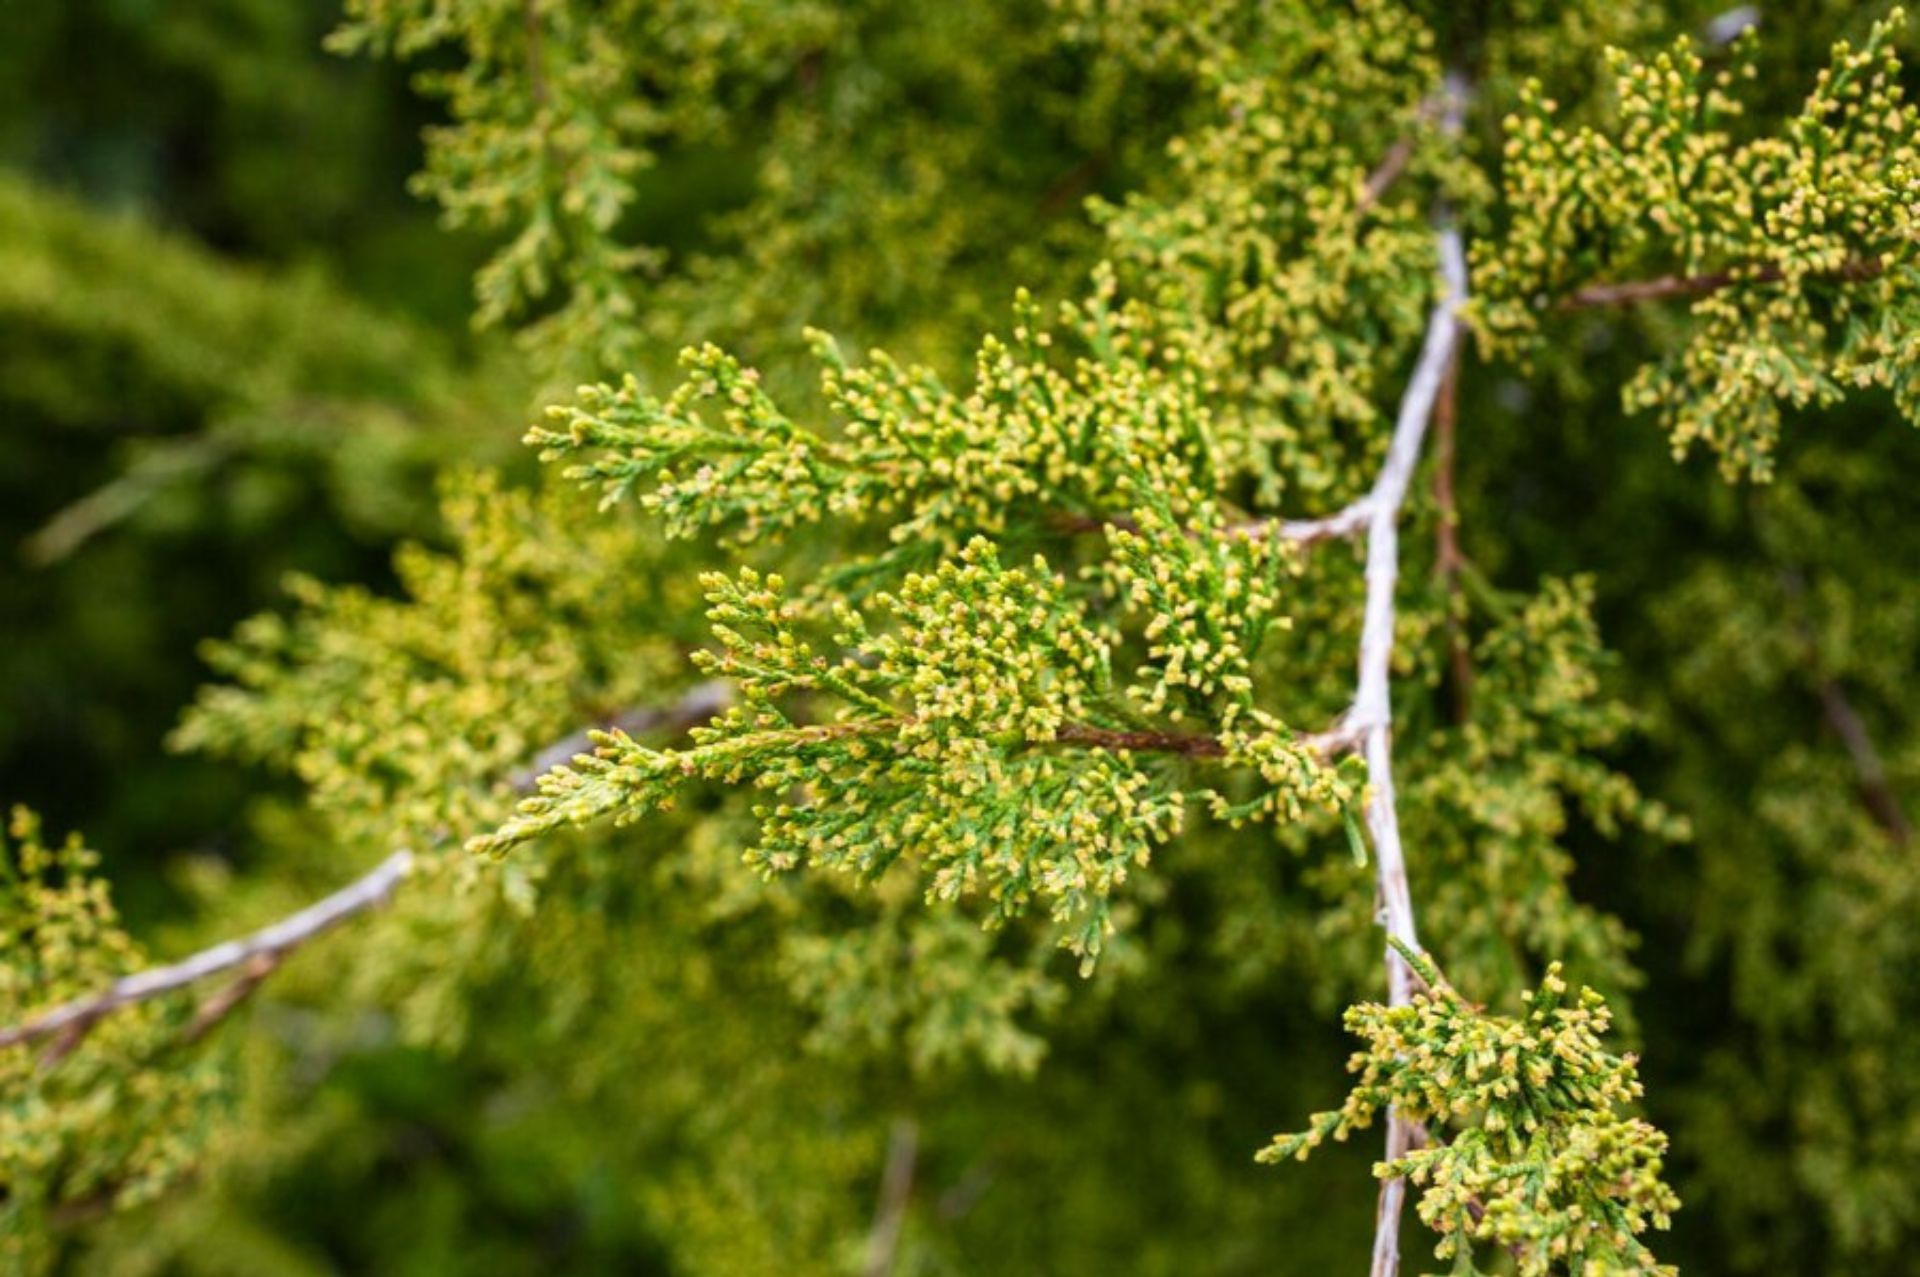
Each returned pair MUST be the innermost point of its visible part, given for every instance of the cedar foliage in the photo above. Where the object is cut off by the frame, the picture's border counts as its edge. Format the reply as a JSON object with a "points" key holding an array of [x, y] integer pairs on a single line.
{"points": [[1017, 654]]}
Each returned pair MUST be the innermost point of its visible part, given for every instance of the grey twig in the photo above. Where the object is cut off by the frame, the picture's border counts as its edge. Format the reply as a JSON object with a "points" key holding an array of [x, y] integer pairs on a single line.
{"points": [[69, 1022], [896, 1187], [259, 954]]}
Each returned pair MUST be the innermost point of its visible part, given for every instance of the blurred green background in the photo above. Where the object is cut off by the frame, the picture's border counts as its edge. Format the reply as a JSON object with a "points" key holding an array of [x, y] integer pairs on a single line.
{"points": [[210, 275]]}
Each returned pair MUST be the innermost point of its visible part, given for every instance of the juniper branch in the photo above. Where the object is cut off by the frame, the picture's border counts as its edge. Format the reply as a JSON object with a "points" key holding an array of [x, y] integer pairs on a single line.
{"points": [[258, 955], [698, 704], [1632, 292], [68, 1023]]}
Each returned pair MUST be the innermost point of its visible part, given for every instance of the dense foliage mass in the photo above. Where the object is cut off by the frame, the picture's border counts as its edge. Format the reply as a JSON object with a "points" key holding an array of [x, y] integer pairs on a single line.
{"points": [[726, 794]]}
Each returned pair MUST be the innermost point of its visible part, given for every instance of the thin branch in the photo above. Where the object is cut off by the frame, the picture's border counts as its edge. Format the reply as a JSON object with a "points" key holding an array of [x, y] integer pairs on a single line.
{"points": [[896, 1189], [967, 1190], [1194, 745], [1372, 712], [1448, 561], [221, 1005], [1392, 1202], [536, 55], [1074, 183], [258, 955], [1627, 294], [1400, 154], [1391, 166], [1349, 521], [1875, 789], [1729, 26], [1338, 739], [698, 704], [70, 1021]]}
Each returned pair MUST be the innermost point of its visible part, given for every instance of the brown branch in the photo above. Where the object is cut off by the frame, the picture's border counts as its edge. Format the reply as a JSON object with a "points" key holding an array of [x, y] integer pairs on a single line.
{"points": [[220, 1005], [1149, 742], [808, 70], [1875, 789], [1338, 739], [967, 1190], [896, 1189], [1075, 182], [1627, 294], [1391, 166], [1448, 560], [1401, 153]]}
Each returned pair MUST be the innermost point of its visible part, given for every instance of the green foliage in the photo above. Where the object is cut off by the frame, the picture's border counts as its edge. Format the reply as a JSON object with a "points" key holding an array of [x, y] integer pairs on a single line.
{"points": [[180, 432], [1270, 266], [846, 160], [1806, 902], [981, 736], [104, 1127], [1526, 1147], [230, 126], [1054, 672], [235, 370], [1794, 248], [1027, 441]]}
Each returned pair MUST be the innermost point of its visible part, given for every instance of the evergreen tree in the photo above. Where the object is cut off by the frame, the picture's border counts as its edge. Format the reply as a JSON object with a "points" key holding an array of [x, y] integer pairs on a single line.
{"points": [[724, 800]]}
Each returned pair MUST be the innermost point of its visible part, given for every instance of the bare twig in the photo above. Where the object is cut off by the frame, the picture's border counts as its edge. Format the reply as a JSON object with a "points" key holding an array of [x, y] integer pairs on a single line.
{"points": [[1876, 790], [1075, 183], [1349, 521], [221, 1005], [1372, 712], [1400, 154], [1388, 171], [68, 1023], [1448, 559], [258, 955], [1192, 745], [1729, 26], [967, 1190], [896, 1188]]}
